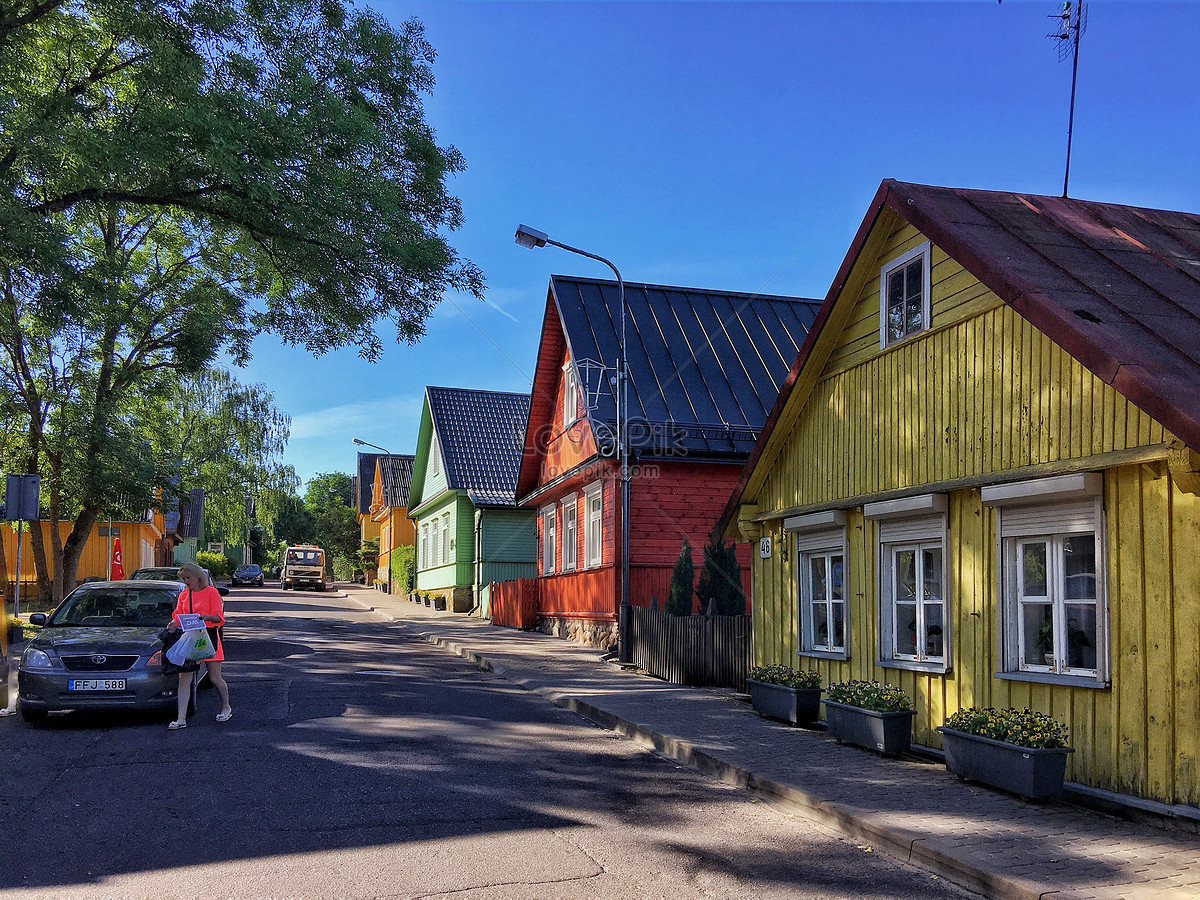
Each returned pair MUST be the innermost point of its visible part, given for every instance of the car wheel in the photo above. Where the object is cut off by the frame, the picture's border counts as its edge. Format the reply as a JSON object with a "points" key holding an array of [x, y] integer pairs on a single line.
{"points": [[33, 715]]}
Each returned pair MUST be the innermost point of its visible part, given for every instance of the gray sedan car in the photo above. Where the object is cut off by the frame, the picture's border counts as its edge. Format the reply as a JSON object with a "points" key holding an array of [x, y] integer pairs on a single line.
{"points": [[100, 649]]}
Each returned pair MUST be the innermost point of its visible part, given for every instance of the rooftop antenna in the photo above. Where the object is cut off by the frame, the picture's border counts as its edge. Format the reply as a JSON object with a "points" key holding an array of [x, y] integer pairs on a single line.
{"points": [[1070, 24]]}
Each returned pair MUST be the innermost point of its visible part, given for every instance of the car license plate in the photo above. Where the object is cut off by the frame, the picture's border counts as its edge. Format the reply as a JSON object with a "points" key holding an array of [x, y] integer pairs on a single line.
{"points": [[96, 684]]}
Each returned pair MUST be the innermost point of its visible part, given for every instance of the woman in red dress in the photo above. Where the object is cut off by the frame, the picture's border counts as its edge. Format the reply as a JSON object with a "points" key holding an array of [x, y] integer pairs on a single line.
{"points": [[201, 598]]}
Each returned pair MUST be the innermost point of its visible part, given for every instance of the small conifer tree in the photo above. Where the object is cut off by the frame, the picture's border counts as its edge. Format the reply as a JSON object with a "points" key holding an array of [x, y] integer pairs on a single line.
{"points": [[720, 588], [679, 598]]}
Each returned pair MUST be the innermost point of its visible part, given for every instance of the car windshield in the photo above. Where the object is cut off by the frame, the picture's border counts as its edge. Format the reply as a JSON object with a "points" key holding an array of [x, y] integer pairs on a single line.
{"points": [[252, 570], [161, 574], [116, 607], [304, 556]]}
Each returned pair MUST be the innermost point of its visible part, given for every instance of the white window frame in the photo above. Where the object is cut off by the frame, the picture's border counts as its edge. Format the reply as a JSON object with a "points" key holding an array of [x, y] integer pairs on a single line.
{"points": [[570, 395], [424, 545], [549, 541], [918, 525], [446, 547], [919, 255], [434, 455], [570, 532], [1049, 511], [593, 526], [822, 536]]}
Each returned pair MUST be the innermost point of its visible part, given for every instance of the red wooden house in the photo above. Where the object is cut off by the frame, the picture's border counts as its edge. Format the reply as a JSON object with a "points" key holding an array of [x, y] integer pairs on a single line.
{"points": [[704, 370]]}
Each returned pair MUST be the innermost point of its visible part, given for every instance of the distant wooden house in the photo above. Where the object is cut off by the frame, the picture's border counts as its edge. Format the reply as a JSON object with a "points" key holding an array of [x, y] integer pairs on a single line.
{"points": [[142, 545], [705, 367], [389, 510], [469, 530], [980, 479], [364, 490]]}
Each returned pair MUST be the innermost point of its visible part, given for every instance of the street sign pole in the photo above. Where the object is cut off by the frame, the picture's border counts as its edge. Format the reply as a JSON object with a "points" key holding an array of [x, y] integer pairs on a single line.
{"points": [[21, 496]]}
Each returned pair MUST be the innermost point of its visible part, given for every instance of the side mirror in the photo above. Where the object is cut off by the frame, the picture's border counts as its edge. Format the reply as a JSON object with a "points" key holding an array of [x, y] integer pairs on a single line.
{"points": [[37, 619]]}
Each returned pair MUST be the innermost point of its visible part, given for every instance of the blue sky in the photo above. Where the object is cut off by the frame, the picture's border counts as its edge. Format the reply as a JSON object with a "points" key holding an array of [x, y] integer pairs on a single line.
{"points": [[734, 146]]}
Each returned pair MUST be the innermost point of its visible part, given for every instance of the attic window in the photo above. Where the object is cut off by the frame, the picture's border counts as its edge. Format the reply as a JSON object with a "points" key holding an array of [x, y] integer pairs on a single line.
{"points": [[570, 395], [904, 296]]}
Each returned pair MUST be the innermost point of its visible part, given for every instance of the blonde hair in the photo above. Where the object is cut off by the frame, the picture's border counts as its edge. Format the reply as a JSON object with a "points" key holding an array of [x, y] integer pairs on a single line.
{"points": [[193, 569]]}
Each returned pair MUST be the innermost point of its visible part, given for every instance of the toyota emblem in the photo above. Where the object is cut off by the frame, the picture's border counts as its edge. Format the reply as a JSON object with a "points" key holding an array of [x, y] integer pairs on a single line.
{"points": [[99, 659]]}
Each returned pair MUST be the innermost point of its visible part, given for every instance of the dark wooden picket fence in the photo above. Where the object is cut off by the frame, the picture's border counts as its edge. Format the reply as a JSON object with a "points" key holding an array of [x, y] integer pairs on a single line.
{"points": [[701, 651]]}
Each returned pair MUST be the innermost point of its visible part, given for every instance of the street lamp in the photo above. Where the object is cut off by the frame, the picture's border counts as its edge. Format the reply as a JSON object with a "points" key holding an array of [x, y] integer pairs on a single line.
{"points": [[363, 443], [532, 238]]}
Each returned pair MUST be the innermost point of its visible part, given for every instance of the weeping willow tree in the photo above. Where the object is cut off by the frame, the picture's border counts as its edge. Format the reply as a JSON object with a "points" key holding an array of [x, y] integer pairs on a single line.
{"points": [[226, 438]]}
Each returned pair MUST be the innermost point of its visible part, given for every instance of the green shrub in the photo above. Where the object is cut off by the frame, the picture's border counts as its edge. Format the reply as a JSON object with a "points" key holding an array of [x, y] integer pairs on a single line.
{"points": [[216, 563], [786, 676], [401, 569], [1022, 727], [679, 595], [720, 588], [870, 695]]}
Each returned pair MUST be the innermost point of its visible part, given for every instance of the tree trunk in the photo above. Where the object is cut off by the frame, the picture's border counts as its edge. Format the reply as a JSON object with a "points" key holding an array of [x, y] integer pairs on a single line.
{"points": [[73, 548]]}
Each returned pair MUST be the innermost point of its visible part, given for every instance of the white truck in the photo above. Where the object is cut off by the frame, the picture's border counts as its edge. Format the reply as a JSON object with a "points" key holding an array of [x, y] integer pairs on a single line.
{"points": [[303, 567]]}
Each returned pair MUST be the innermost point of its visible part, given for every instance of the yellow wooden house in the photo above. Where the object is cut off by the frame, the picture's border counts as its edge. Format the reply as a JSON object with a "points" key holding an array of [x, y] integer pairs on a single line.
{"points": [[980, 479], [142, 544], [389, 511]]}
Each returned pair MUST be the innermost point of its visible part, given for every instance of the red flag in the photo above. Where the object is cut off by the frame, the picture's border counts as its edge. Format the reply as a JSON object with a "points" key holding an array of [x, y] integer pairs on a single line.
{"points": [[117, 571]]}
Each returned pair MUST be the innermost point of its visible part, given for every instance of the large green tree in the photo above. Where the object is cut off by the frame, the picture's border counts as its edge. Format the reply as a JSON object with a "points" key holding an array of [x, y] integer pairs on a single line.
{"points": [[177, 176], [329, 499]]}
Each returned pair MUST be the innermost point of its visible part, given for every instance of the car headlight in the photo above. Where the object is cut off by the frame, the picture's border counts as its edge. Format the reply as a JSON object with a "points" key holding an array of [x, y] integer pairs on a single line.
{"points": [[33, 658]]}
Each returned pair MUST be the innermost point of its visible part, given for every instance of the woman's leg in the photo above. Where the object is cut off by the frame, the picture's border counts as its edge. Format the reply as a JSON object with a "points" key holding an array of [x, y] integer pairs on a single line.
{"points": [[214, 675], [185, 694]]}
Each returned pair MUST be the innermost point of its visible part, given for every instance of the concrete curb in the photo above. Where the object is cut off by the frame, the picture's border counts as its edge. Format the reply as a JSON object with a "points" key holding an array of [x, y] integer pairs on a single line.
{"points": [[928, 853]]}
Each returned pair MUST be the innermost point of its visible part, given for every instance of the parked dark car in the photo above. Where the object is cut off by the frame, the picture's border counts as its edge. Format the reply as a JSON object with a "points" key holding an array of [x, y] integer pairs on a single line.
{"points": [[100, 650], [171, 573], [248, 574]]}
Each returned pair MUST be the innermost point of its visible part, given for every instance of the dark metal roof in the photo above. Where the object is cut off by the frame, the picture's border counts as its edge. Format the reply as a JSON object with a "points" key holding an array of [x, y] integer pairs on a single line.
{"points": [[1117, 287], [395, 476], [191, 514], [704, 366], [365, 482], [481, 436]]}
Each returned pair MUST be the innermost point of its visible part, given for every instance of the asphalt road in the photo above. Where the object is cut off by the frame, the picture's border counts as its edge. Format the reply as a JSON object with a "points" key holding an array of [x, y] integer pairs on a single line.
{"points": [[362, 762]]}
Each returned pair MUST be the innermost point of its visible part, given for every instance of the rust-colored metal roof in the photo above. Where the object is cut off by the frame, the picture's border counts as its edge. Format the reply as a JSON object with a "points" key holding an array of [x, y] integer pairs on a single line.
{"points": [[1117, 287]]}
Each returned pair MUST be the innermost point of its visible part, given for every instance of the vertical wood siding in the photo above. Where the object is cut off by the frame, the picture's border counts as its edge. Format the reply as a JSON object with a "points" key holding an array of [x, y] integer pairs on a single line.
{"points": [[983, 393], [137, 551], [982, 396]]}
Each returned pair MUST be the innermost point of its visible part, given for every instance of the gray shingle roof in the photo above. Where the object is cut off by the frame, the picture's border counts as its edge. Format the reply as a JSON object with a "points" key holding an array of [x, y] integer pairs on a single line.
{"points": [[395, 474], [482, 434]]}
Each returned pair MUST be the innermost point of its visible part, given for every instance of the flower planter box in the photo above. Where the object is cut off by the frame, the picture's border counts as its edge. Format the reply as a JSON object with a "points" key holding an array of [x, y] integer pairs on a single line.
{"points": [[1033, 772], [799, 706], [439, 603], [889, 733]]}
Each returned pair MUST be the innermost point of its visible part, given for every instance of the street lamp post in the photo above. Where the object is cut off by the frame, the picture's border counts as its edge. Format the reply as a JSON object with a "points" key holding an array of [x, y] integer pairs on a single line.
{"points": [[363, 443], [532, 238]]}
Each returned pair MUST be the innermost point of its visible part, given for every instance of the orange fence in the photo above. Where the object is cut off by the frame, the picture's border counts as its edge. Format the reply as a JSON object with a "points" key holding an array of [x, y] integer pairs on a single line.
{"points": [[514, 603]]}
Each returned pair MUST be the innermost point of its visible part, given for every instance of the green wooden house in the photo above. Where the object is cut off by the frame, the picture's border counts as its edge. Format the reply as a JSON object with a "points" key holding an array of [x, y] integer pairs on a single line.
{"points": [[469, 530]]}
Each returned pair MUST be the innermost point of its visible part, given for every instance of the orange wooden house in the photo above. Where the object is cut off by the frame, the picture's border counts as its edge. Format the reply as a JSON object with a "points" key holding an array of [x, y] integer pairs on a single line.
{"points": [[389, 511], [705, 367]]}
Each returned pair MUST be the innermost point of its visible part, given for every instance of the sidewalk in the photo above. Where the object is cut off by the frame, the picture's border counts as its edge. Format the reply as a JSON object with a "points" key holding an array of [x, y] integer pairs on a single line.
{"points": [[985, 840]]}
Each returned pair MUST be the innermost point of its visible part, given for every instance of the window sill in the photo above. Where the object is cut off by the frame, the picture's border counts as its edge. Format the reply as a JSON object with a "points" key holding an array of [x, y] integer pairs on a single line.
{"points": [[824, 654], [1080, 681], [931, 668]]}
